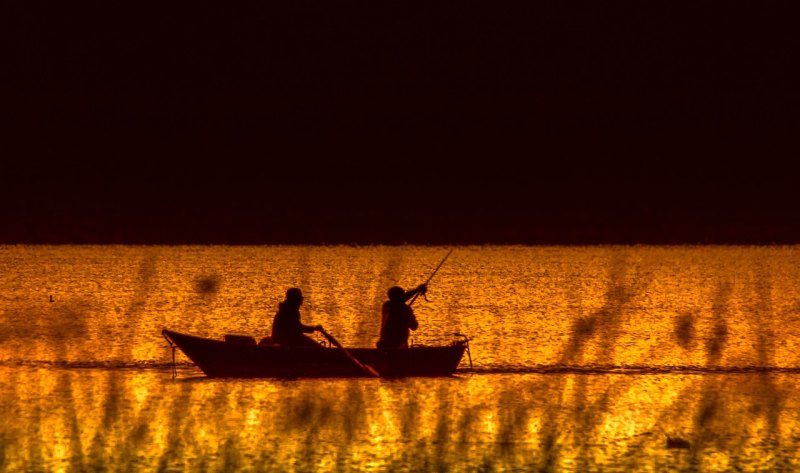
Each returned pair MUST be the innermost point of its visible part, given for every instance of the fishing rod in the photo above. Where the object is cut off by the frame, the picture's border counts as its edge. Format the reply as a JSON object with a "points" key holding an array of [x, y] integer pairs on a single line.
{"points": [[432, 274]]}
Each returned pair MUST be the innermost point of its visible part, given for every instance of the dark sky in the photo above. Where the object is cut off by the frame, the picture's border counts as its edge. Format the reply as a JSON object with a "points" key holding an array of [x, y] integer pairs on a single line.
{"points": [[391, 122]]}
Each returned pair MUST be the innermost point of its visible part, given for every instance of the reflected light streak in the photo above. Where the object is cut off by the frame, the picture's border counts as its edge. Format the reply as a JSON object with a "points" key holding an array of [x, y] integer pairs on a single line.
{"points": [[85, 381]]}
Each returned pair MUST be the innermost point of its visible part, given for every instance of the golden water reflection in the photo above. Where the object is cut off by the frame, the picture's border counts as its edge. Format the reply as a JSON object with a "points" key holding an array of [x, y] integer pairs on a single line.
{"points": [[586, 359], [94, 419], [523, 306]]}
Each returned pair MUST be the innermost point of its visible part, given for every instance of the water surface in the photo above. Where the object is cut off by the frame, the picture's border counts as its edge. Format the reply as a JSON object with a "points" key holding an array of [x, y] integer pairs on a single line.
{"points": [[585, 359]]}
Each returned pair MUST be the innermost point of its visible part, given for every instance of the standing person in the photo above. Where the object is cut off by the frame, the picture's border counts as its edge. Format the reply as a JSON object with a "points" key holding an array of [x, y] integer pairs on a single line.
{"points": [[287, 329], [397, 317]]}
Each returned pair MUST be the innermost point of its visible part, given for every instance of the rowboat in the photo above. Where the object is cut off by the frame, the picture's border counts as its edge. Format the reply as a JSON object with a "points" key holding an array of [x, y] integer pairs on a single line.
{"points": [[237, 356]]}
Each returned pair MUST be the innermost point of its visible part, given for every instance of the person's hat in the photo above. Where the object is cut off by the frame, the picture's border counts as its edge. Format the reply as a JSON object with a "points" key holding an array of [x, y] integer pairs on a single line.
{"points": [[294, 294], [396, 292]]}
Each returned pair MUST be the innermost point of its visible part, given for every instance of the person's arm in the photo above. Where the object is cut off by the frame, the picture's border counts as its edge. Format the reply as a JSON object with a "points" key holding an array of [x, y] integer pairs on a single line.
{"points": [[412, 320], [421, 289], [301, 326], [384, 314]]}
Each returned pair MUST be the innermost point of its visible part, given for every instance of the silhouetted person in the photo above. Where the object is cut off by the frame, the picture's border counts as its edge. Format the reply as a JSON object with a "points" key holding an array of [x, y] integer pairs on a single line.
{"points": [[397, 318], [287, 329]]}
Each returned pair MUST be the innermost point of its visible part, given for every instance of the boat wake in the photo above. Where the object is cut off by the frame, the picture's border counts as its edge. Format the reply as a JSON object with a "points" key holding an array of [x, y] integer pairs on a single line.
{"points": [[625, 369], [462, 370], [95, 364]]}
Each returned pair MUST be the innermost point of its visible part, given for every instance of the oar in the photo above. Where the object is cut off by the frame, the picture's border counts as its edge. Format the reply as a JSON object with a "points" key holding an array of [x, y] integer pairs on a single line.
{"points": [[365, 368], [432, 274]]}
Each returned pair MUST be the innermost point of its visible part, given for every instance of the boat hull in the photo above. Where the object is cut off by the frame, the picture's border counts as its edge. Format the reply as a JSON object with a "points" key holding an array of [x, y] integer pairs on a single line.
{"points": [[222, 359]]}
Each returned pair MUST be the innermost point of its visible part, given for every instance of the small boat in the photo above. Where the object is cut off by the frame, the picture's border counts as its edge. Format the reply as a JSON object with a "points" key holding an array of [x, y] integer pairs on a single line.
{"points": [[238, 356]]}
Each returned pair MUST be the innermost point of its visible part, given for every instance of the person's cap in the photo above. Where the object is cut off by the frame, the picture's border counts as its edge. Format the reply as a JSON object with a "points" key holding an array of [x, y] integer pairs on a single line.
{"points": [[294, 294], [396, 292]]}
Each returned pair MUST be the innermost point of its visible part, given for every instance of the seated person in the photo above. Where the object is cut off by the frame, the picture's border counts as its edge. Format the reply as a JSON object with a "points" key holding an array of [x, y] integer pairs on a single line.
{"points": [[287, 330]]}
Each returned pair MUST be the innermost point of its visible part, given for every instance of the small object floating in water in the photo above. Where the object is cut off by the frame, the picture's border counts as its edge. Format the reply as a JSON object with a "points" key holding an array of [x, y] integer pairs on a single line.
{"points": [[678, 443]]}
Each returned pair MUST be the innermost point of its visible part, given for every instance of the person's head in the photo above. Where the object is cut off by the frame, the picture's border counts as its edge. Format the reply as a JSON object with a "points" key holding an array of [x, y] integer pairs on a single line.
{"points": [[396, 293], [294, 295]]}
